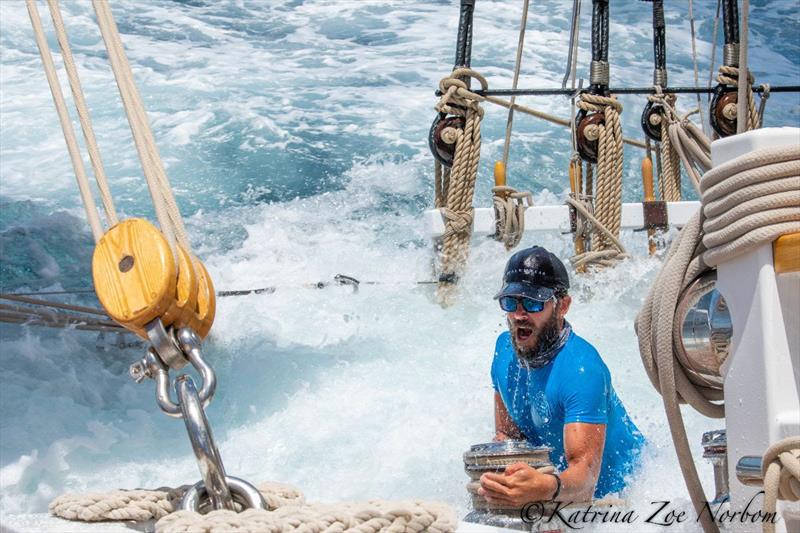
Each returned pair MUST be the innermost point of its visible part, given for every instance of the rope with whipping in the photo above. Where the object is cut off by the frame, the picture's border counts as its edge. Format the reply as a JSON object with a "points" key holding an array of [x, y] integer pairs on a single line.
{"points": [[287, 511], [458, 100], [746, 202]]}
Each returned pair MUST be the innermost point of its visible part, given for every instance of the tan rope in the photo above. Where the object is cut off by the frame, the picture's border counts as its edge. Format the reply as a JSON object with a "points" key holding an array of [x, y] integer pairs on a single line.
{"points": [[92, 215], [608, 183], [457, 100], [509, 214], [669, 181], [781, 470], [164, 202], [286, 511], [83, 114], [730, 76], [685, 141], [761, 191], [733, 226], [545, 116]]}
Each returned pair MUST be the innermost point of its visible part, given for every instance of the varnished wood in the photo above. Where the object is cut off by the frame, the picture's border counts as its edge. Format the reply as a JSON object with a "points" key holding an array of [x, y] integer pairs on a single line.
{"points": [[206, 301], [134, 273], [786, 253]]}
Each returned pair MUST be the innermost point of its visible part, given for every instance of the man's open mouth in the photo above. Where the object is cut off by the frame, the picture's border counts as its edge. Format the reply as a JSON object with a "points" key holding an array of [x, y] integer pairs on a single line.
{"points": [[522, 333]]}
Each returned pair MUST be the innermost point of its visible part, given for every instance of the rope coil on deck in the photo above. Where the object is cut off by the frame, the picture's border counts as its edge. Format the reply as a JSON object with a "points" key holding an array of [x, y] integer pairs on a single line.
{"points": [[287, 511]]}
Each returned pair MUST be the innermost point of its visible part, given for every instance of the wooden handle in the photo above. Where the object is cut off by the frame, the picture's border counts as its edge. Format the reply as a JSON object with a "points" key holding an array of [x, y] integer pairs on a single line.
{"points": [[134, 273]]}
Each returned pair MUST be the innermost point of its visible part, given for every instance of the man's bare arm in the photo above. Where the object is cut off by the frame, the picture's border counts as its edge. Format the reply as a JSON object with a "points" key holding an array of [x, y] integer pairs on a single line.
{"points": [[583, 446], [504, 427]]}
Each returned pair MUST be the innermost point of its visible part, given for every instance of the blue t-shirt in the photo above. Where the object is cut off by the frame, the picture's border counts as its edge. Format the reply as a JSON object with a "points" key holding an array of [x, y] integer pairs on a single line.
{"points": [[573, 387]]}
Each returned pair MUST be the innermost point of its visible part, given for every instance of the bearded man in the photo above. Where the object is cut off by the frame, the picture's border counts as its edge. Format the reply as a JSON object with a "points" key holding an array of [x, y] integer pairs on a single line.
{"points": [[552, 388]]}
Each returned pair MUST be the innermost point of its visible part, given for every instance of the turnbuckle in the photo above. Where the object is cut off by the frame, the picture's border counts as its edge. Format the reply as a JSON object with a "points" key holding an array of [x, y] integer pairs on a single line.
{"points": [[174, 350]]}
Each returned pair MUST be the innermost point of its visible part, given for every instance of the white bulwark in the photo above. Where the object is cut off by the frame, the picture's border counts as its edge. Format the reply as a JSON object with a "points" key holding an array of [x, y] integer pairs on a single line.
{"points": [[556, 218]]}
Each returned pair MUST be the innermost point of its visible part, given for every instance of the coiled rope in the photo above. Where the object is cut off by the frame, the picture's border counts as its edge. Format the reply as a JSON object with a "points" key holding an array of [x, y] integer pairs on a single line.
{"points": [[763, 189], [458, 100], [509, 214], [287, 511], [607, 210], [781, 470]]}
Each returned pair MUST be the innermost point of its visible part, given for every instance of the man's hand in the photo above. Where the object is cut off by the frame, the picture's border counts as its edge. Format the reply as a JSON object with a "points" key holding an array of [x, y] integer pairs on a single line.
{"points": [[518, 485]]}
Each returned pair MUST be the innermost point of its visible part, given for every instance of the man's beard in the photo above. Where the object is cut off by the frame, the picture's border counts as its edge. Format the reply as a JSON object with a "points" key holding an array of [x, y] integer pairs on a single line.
{"points": [[548, 338]]}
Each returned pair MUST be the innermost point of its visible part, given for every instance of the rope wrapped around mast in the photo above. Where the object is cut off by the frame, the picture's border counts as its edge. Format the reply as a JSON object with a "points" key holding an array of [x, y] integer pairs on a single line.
{"points": [[458, 183]]}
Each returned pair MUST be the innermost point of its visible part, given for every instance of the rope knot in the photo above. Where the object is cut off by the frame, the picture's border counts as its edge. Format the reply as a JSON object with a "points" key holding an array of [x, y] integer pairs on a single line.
{"points": [[458, 222]]}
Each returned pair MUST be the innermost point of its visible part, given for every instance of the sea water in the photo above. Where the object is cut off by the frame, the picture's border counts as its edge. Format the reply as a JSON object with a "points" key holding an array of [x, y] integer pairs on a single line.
{"points": [[294, 135]]}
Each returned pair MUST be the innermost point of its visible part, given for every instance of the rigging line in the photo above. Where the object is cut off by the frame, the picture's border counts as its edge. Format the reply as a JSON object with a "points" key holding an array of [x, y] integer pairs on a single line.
{"points": [[712, 67], [572, 57], [47, 303], [694, 61], [553, 91], [83, 113], [743, 97], [92, 214], [517, 64]]}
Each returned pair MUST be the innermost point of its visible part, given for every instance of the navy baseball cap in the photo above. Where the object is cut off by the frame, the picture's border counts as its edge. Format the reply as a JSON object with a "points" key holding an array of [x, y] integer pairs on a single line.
{"points": [[535, 273]]}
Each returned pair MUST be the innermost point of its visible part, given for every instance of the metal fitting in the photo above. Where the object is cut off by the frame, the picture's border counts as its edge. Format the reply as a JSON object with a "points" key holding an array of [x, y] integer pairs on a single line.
{"points": [[660, 77], [748, 471], [599, 73], [715, 448], [730, 55], [244, 494]]}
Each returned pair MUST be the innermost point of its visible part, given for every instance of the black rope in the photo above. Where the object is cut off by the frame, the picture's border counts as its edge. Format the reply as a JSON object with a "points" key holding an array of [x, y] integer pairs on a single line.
{"points": [[464, 39], [600, 30], [730, 21], [659, 35]]}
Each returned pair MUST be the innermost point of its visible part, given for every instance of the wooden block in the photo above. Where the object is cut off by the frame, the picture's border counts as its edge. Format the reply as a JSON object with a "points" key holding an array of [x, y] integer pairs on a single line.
{"points": [[134, 273]]}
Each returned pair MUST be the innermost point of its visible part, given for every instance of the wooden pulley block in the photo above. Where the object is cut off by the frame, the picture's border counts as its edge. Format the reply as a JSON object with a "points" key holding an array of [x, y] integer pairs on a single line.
{"points": [[134, 273], [206, 306], [443, 152], [721, 119], [182, 311], [587, 146]]}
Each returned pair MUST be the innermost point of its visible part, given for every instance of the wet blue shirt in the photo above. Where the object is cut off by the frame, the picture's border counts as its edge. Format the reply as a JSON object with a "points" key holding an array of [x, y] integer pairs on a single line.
{"points": [[573, 387]]}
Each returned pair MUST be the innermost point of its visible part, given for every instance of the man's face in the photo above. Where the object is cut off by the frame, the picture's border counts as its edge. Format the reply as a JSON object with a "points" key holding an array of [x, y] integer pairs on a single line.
{"points": [[531, 332]]}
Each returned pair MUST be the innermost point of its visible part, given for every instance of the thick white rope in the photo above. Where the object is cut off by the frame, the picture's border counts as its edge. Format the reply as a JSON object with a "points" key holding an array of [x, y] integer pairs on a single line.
{"points": [[729, 191], [780, 467], [83, 114], [167, 212], [287, 511], [92, 215]]}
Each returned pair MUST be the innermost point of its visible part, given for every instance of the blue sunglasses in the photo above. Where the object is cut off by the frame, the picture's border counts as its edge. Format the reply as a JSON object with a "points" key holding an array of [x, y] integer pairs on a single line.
{"points": [[509, 304]]}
